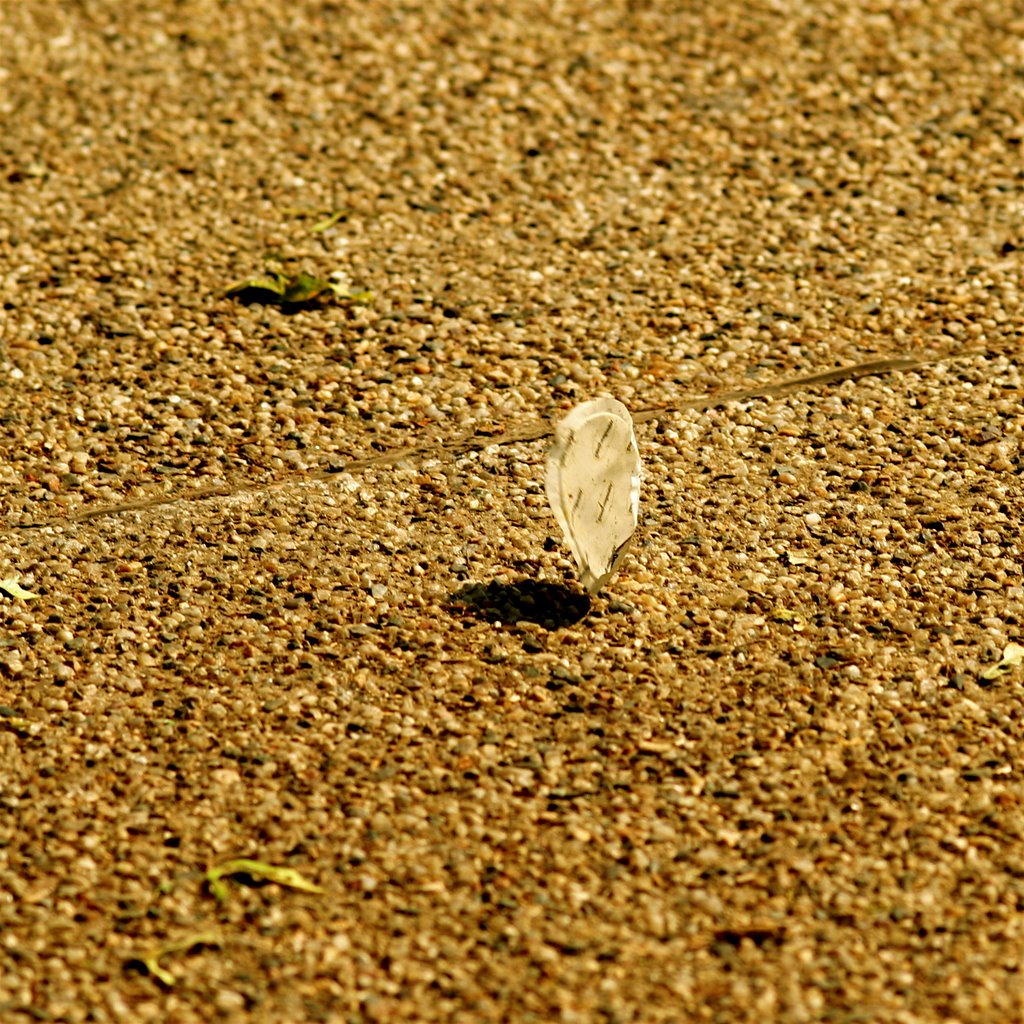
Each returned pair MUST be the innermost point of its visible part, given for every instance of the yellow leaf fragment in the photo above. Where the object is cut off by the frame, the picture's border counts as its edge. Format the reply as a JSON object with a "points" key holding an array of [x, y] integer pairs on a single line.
{"points": [[356, 296], [272, 282], [13, 588], [1013, 655], [257, 869]]}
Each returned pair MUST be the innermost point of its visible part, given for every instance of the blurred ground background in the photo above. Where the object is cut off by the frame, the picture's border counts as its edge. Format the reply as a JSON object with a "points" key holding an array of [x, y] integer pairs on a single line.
{"points": [[771, 773]]}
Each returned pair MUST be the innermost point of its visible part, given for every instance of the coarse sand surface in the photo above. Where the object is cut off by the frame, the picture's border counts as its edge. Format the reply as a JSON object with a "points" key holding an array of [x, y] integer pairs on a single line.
{"points": [[296, 595]]}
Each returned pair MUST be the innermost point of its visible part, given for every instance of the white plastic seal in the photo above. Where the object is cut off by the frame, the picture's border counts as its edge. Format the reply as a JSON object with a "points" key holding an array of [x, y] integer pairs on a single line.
{"points": [[593, 485]]}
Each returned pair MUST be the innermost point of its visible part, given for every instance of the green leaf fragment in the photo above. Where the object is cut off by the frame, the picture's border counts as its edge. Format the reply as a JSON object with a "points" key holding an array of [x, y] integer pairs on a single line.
{"points": [[257, 869], [151, 960], [1013, 655], [325, 217], [786, 615], [293, 289], [327, 222], [13, 588], [304, 288]]}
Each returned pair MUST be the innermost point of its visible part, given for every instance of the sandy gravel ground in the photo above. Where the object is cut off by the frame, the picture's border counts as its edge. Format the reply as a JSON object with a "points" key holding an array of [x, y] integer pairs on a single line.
{"points": [[298, 596]]}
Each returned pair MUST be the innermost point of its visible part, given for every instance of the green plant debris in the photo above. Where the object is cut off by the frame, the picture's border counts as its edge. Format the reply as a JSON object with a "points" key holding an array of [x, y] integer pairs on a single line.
{"points": [[13, 588], [325, 223], [325, 217], [315, 212], [256, 869], [282, 289], [1013, 655], [794, 620], [786, 615], [151, 960]]}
